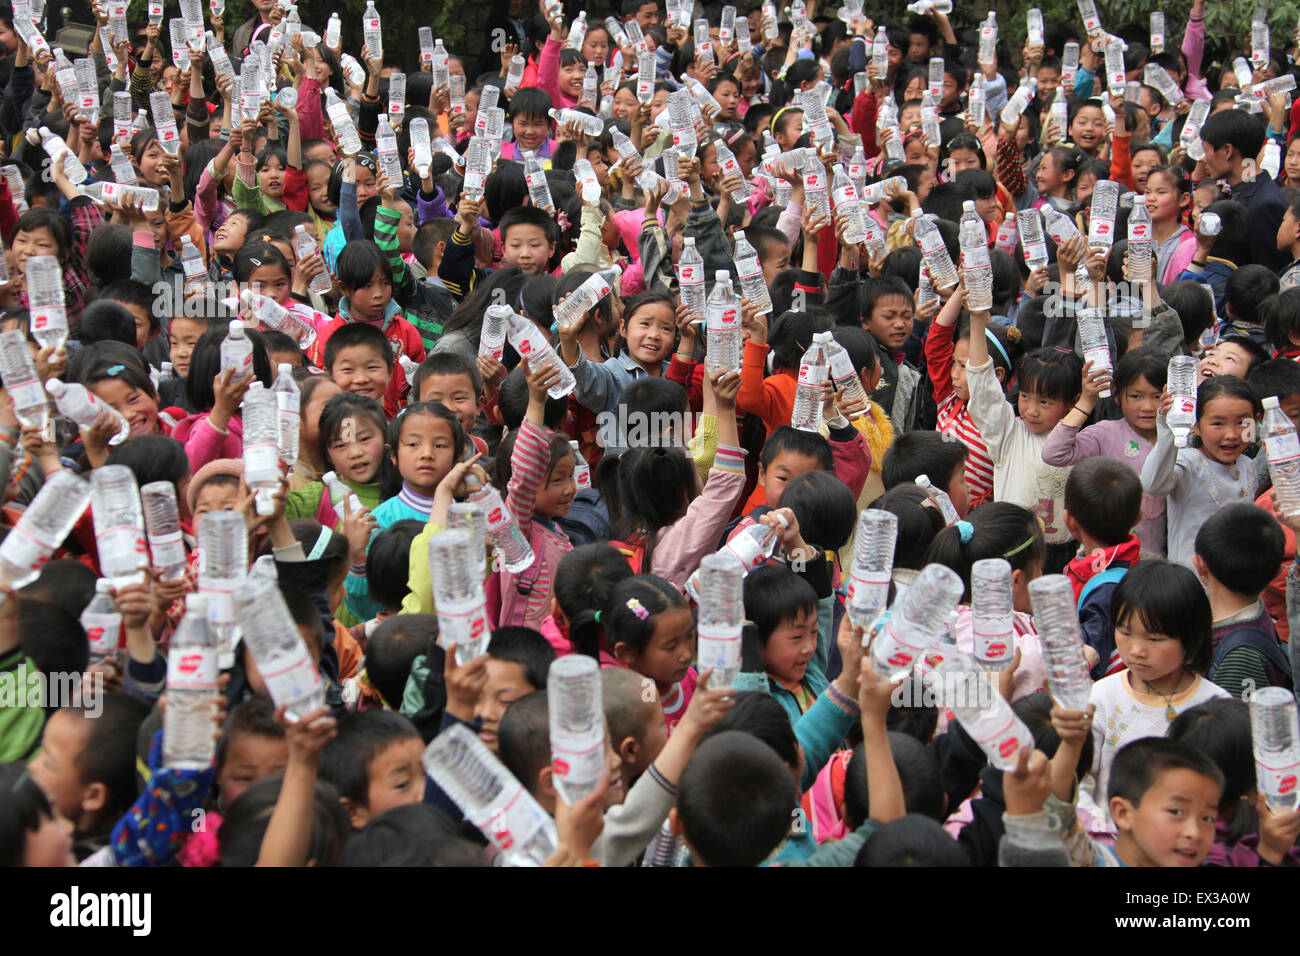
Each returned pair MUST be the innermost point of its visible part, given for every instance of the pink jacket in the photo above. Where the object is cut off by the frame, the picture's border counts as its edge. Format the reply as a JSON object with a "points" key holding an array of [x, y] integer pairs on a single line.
{"points": [[1032, 670], [203, 443], [1193, 48], [681, 546], [563, 647], [1181, 258]]}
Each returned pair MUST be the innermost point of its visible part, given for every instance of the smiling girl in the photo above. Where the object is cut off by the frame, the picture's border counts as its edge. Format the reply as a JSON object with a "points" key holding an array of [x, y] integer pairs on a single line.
{"points": [[1200, 480], [648, 331], [352, 432], [1169, 200]]}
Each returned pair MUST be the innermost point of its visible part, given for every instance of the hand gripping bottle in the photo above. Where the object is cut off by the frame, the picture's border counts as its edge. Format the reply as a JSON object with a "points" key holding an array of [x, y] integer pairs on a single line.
{"points": [[304, 247], [813, 371], [458, 594], [261, 415], [577, 725], [502, 530], [843, 374], [872, 568], [933, 251], [539, 190], [1031, 238], [753, 285], [720, 582], [291, 677], [1275, 736], [18, 374], [1181, 378], [1283, 450], [940, 498], [1101, 222], [983, 713], [724, 332], [752, 546], [82, 406], [162, 521], [527, 339], [192, 670], [1092, 338]]}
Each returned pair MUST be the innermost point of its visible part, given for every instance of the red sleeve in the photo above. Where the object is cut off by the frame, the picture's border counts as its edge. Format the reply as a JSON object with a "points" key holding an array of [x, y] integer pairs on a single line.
{"points": [[939, 346], [8, 214], [295, 189], [852, 462], [1121, 161], [310, 123], [863, 122], [690, 376]]}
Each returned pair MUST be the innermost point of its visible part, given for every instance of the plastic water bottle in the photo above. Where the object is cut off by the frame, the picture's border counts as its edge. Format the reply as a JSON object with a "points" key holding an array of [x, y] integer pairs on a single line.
{"points": [[397, 98], [371, 32], [724, 331], [690, 278], [813, 371], [584, 174], [539, 190], [1157, 76], [975, 266], [345, 131], [492, 338], [419, 131], [478, 164], [1059, 226], [682, 123], [119, 524], [977, 102], [1259, 42], [1271, 162], [646, 77], [102, 622], [577, 725], [458, 594], [817, 194], [842, 372], [577, 31], [925, 293], [49, 318], [341, 496], [527, 339], [848, 205], [1275, 736], [222, 565], [56, 147], [1070, 65], [591, 125], [872, 568], [1092, 338], [438, 60], [192, 670], [277, 648], [221, 65], [490, 797], [1283, 450], [164, 121], [1058, 113], [935, 254], [880, 52], [916, 621], [1139, 241], [753, 286], [237, 351], [87, 90], [261, 415], [752, 546], [503, 531], [984, 713], [386, 151], [18, 373], [288, 399], [940, 497], [720, 583], [1056, 618], [122, 115], [1157, 31], [123, 171], [163, 523], [1115, 72], [1101, 221], [305, 246], [468, 516], [78, 403], [42, 528], [1181, 379], [731, 167], [192, 260], [989, 39], [581, 470], [515, 74], [1031, 238], [273, 315], [992, 614]]}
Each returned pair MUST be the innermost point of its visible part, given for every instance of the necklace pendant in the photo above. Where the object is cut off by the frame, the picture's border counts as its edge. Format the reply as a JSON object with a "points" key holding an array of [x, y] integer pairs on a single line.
{"points": [[1170, 713]]}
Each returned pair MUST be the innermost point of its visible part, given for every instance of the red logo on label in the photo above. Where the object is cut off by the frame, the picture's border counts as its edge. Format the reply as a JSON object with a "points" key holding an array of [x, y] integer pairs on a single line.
{"points": [[477, 627], [189, 663], [899, 659], [95, 634], [501, 830], [1008, 747], [560, 767], [1286, 784], [995, 650], [494, 516]]}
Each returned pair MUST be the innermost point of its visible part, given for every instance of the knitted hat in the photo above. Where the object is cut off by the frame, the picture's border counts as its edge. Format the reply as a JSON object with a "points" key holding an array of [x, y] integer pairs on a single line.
{"points": [[219, 466]]}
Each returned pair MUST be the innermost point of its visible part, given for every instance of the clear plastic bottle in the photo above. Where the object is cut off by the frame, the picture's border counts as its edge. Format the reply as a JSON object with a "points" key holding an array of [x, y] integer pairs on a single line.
{"points": [[490, 797], [164, 121], [163, 523], [478, 164], [419, 132], [848, 205], [731, 167], [1056, 618], [770, 29], [82, 406], [468, 516], [690, 278], [503, 531], [842, 372], [18, 373], [977, 102], [122, 116], [1031, 238], [1275, 736], [386, 151], [992, 614], [42, 527], [119, 524], [1092, 339], [685, 142], [341, 493], [577, 725], [261, 416], [983, 713], [752, 546], [345, 131], [56, 147], [817, 194], [425, 38], [1259, 43], [539, 190], [646, 76], [273, 315], [49, 317], [1101, 221], [304, 247], [192, 260], [222, 565], [458, 594], [1059, 114], [288, 400], [584, 175], [590, 87], [1156, 75], [577, 31], [813, 371], [492, 338], [372, 31], [753, 285], [935, 75], [880, 52], [872, 568], [942, 272], [1115, 72], [720, 583], [1283, 449], [977, 270], [1059, 226], [527, 339], [581, 470], [1139, 241], [277, 648], [237, 351], [916, 622], [724, 331], [102, 622], [940, 497], [989, 39], [123, 171], [1019, 100], [1158, 31], [515, 75], [192, 669], [87, 90], [397, 98], [1181, 382]]}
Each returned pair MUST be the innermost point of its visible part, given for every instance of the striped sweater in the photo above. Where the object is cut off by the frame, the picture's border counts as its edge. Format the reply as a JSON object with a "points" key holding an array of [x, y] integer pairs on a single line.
{"points": [[954, 416]]}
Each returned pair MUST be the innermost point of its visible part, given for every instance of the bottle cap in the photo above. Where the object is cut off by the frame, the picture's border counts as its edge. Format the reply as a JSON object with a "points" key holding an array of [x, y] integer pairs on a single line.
{"points": [[1270, 401]]}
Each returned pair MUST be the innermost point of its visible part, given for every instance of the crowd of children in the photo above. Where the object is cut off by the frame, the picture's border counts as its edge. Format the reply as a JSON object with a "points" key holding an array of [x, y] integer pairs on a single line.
{"points": [[373, 235]]}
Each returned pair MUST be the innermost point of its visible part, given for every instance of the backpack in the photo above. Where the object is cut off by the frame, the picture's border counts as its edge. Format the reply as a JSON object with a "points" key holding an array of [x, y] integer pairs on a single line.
{"points": [[633, 551], [1109, 576], [1276, 664]]}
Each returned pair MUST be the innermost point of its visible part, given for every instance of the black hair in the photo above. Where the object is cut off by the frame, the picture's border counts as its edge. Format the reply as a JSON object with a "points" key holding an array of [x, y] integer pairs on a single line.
{"points": [[824, 506], [106, 321], [1235, 128], [356, 334], [981, 183], [43, 217], [773, 595], [1194, 303], [437, 410], [524, 738], [524, 646], [873, 290], [791, 335], [345, 405], [362, 736], [254, 717], [1139, 764], [1247, 288], [1001, 530], [913, 840], [393, 647], [1007, 341], [809, 444], [1052, 374], [531, 102], [584, 581], [1277, 378], [946, 199], [1220, 729], [387, 562], [255, 254], [1168, 599], [503, 464], [917, 453], [504, 285], [1233, 241], [859, 344], [505, 190], [23, 809], [1228, 386], [1242, 546], [152, 458], [1140, 363], [116, 360], [753, 713], [646, 490], [1280, 315], [108, 754], [658, 400], [918, 772], [918, 523], [357, 264], [52, 636], [277, 341], [411, 835], [205, 365], [512, 402], [529, 216], [735, 800], [620, 618], [245, 821], [108, 256], [64, 581], [1105, 497]]}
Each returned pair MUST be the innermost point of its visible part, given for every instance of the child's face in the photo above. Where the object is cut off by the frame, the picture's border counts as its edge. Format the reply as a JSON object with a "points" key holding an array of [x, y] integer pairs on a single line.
{"points": [[1226, 426], [396, 778], [710, 171], [358, 461], [746, 155], [405, 225], [318, 192], [791, 647], [960, 159], [361, 369], [626, 104], [367, 186], [1049, 78], [595, 46], [530, 131], [774, 257], [728, 95], [890, 321], [1143, 163], [368, 303], [506, 683], [959, 491], [143, 329], [571, 77], [216, 497], [1173, 825], [987, 207], [426, 451], [951, 90], [148, 165], [525, 246], [960, 355], [1290, 405], [1049, 178], [910, 116], [249, 758], [138, 407], [271, 281], [651, 332], [57, 771], [1226, 358], [1040, 412], [786, 466], [556, 495], [1291, 161], [457, 393], [925, 184], [157, 222], [1163, 199], [1089, 128], [1287, 234], [230, 236], [667, 657], [1140, 403], [1150, 656], [311, 413], [50, 844], [270, 178]]}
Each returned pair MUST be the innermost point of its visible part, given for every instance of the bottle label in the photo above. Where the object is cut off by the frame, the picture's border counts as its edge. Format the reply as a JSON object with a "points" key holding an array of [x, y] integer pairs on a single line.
{"points": [[192, 668], [1277, 781], [463, 623], [221, 609], [997, 735], [1283, 448], [24, 547], [582, 477], [103, 631], [509, 823], [687, 275], [815, 179], [121, 541], [994, 640], [811, 374], [47, 319], [718, 646], [293, 681], [841, 365], [287, 403], [746, 549], [929, 240], [261, 463], [868, 590], [167, 549], [1099, 357], [27, 395]]}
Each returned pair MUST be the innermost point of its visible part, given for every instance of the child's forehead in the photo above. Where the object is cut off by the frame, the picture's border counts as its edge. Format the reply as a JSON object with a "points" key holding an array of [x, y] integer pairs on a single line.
{"points": [[525, 231], [502, 674], [892, 301], [361, 351], [1185, 785], [444, 382], [792, 460]]}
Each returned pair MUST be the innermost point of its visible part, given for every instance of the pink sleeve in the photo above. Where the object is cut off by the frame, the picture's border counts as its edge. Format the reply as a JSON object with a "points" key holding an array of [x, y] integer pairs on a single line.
{"points": [[682, 545], [528, 464], [205, 199], [310, 124], [852, 462], [1194, 45], [548, 71], [206, 444]]}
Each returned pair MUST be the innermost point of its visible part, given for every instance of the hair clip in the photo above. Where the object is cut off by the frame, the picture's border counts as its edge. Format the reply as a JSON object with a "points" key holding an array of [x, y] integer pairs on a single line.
{"points": [[596, 618], [965, 530], [115, 370], [637, 608]]}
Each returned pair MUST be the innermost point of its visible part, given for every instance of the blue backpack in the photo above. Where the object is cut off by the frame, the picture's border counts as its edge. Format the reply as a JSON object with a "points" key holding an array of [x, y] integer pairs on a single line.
{"points": [[1276, 664]]}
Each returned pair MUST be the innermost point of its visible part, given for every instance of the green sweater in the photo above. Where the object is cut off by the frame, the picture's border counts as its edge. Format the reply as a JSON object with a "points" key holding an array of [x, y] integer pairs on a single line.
{"points": [[22, 718]]}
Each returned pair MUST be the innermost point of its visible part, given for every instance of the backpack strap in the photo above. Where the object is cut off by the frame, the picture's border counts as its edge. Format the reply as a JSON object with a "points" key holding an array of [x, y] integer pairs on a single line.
{"points": [[1109, 576], [635, 554], [1261, 641]]}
